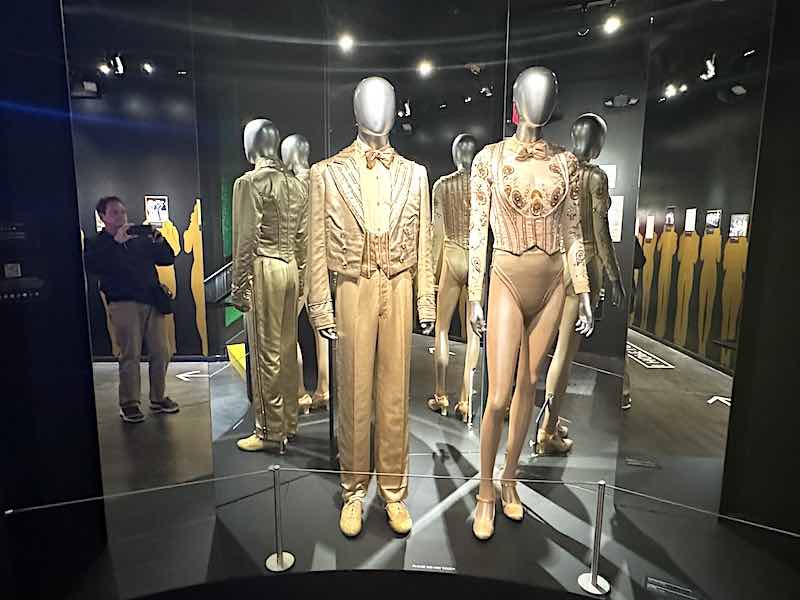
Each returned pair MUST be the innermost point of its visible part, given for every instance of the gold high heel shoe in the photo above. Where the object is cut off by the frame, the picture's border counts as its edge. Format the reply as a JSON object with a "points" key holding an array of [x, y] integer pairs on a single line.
{"points": [[439, 404], [462, 408], [552, 444], [512, 505], [304, 404], [320, 401], [483, 524]]}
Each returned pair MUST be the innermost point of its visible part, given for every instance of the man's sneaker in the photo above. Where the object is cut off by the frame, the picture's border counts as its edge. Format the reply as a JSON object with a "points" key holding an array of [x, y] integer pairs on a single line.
{"points": [[165, 406], [131, 414]]}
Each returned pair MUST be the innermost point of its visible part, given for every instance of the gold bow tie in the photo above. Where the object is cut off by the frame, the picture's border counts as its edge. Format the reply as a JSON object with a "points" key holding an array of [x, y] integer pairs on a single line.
{"points": [[385, 155], [537, 150]]}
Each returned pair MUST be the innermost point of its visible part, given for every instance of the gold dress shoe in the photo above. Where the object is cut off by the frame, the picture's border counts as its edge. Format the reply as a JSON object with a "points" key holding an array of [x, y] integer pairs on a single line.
{"points": [[512, 505], [254, 443], [483, 521], [304, 404], [462, 408], [399, 517], [439, 404], [350, 519], [320, 401], [552, 444]]}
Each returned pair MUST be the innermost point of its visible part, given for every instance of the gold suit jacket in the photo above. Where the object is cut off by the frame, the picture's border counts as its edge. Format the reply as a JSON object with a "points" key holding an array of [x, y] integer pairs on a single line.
{"points": [[451, 206], [338, 230], [270, 216]]}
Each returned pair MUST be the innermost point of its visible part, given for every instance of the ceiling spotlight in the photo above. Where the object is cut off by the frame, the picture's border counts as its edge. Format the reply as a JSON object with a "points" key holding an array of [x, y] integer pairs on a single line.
{"points": [[473, 68], [662, 99], [612, 25], [467, 99], [683, 88], [443, 105], [148, 67], [584, 29], [670, 91], [119, 68], [750, 52], [739, 89], [621, 101], [424, 68], [346, 42], [487, 90], [104, 69], [711, 69], [181, 72], [400, 113]]}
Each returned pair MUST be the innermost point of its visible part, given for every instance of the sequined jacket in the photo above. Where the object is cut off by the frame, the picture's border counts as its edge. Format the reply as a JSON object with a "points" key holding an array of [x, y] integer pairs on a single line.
{"points": [[270, 216], [339, 233], [522, 217], [595, 203], [451, 207]]}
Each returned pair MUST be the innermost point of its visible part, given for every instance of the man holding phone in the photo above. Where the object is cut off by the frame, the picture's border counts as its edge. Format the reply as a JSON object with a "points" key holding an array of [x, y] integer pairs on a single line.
{"points": [[124, 257]]}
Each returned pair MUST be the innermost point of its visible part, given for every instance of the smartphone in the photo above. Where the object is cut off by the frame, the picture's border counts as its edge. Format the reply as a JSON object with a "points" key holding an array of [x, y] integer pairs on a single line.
{"points": [[140, 230]]}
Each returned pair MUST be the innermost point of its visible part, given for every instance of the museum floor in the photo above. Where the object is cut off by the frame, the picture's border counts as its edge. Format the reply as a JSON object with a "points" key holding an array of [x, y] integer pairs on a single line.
{"points": [[208, 531]]}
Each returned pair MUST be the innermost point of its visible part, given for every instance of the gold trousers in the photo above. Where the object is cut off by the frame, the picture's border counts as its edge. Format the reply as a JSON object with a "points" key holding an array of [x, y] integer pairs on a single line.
{"points": [[452, 282], [132, 323], [373, 360], [272, 337]]}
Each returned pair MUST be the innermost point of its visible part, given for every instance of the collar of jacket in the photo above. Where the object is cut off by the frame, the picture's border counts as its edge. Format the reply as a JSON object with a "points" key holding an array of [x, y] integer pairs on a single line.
{"points": [[346, 175], [263, 162]]}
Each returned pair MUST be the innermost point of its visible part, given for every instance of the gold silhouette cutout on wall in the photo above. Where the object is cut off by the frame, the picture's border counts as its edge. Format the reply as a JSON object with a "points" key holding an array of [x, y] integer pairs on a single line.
{"points": [[667, 247], [193, 244], [734, 264], [166, 275], [710, 256], [649, 248], [688, 253]]}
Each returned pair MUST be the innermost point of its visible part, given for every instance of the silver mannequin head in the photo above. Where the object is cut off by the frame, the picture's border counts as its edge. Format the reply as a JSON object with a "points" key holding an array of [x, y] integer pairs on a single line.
{"points": [[588, 136], [294, 153], [464, 148], [261, 140], [535, 95], [374, 109]]}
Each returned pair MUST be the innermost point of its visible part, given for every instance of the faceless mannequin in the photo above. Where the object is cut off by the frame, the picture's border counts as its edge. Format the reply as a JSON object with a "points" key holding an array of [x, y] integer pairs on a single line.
{"points": [[535, 96], [261, 140], [451, 231], [374, 109], [294, 152], [523, 184]]}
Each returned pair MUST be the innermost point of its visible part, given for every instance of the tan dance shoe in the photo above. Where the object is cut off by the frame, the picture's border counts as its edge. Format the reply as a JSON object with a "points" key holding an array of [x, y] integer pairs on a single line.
{"points": [[512, 505], [399, 517], [350, 518], [483, 521], [439, 404], [254, 443]]}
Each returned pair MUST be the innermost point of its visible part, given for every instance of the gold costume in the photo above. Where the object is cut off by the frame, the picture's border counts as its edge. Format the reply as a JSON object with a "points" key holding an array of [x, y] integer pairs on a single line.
{"points": [[710, 255], [687, 258], [269, 256], [451, 224], [371, 225]]}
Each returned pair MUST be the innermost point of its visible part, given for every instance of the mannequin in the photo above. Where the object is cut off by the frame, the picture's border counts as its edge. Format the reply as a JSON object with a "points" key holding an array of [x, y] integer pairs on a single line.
{"points": [[688, 253], [588, 138], [193, 244], [294, 152], [270, 208], [733, 267], [649, 248], [710, 255], [667, 246], [529, 191], [451, 231], [371, 226]]}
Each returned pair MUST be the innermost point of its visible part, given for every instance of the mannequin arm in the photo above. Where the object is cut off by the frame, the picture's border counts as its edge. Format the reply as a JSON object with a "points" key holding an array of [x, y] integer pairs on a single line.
{"points": [[301, 243], [246, 217], [426, 294], [319, 304], [480, 202], [438, 232], [601, 203]]}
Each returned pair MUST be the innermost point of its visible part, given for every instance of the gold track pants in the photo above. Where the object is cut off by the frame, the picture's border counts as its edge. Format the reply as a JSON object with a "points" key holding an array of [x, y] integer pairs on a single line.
{"points": [[272, 337], [373, 360]]}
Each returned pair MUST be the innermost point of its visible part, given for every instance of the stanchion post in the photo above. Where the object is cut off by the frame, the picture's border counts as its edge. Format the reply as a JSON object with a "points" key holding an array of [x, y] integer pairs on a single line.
{"points": [[592, 582], [279, 561]]}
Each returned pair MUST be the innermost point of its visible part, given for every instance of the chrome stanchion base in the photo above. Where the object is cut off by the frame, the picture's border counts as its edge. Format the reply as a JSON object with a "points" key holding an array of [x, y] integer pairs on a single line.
{"points": [[601, 589], [276, 565]]}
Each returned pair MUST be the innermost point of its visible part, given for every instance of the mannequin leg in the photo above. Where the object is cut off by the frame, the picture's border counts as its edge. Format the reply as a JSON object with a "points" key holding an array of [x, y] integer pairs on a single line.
{"points": [[558, 373], [446, 303], [290, 372], [503, 335], [470, 364], [539, 336]]}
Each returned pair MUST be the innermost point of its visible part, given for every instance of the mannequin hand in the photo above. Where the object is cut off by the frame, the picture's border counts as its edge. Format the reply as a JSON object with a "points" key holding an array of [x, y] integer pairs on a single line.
{"points": [[585, 324], [476, 319], [427, 327], [617, 293], [122, 235], [329, 333]]}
